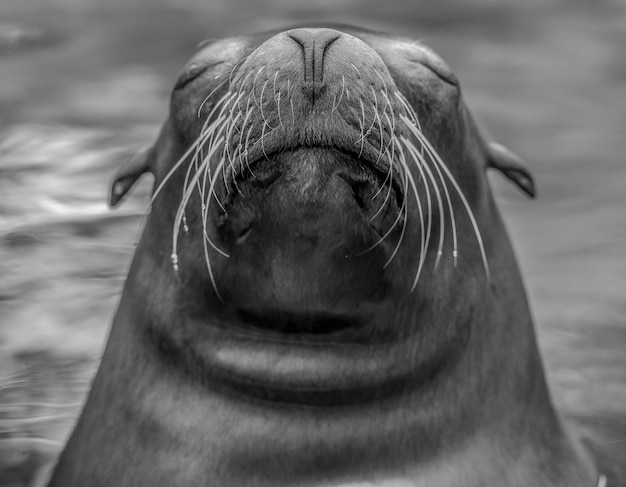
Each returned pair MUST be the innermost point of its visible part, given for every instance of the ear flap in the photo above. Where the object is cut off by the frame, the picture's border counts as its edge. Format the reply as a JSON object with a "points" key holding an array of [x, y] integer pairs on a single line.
{"points": [[129, 173], [512, 166]]}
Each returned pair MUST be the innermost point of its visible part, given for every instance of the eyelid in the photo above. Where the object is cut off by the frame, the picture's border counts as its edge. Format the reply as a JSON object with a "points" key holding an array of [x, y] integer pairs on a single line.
{"points": [[205, 43], [425, 56], [447, 76], [193, 71]]}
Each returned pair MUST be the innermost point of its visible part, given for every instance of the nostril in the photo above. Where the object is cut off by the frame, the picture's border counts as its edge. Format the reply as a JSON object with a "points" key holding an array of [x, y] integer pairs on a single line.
{"points": [[314, 44]]}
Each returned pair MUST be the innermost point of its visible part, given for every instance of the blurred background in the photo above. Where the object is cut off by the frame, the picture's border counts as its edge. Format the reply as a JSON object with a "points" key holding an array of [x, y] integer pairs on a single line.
{"points": [[85, 82]]}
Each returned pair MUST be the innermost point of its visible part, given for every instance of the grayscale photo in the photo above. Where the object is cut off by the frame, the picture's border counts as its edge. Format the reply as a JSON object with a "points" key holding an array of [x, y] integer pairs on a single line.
{"points": [[334, 243]]}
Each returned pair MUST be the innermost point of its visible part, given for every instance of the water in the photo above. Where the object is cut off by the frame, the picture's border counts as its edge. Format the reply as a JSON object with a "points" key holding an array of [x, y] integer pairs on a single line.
{"points": [[83, 83]]}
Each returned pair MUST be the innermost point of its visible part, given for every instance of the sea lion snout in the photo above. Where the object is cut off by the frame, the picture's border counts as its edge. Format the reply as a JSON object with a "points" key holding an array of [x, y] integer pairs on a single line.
{"points": [[312, 88]]}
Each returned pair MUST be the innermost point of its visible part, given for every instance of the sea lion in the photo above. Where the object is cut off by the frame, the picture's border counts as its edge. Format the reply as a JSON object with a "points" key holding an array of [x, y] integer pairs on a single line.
{"points": [[324, 293]]}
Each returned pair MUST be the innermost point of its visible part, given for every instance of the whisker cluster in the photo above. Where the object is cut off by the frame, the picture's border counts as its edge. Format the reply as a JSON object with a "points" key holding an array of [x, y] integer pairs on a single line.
{"points": [[216, 130], [408, 151], [441, 178], [221, 149]]}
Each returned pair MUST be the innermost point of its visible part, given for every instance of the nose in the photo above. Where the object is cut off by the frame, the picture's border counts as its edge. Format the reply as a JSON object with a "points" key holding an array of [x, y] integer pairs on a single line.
{"points": [[314, 44]]}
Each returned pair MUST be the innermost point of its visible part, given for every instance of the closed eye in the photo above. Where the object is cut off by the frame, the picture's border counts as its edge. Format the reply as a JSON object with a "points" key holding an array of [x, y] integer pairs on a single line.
{"points": [[193, 72], [439, 69], [420, 53]]}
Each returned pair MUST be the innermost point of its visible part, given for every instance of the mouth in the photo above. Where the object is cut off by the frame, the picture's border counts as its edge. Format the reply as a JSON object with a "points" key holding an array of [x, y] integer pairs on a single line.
{"points": [[299, 325], [375, 160]]}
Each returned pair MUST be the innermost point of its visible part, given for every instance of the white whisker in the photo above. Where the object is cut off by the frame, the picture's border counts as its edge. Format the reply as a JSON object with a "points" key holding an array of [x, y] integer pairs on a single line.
{"points": [[421, 167], [423, 241], [401, 211], [440, 166], [430, 176], [362, 126], [403, 214]]}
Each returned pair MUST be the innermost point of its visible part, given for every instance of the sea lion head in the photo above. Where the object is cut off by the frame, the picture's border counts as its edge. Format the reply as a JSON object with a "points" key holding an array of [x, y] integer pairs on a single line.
{"points": [[318, 193]]}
